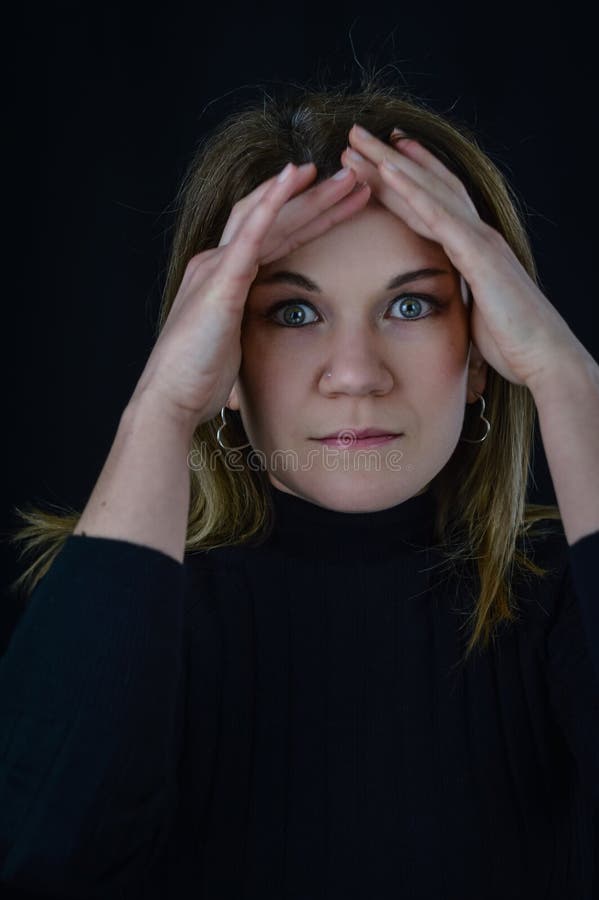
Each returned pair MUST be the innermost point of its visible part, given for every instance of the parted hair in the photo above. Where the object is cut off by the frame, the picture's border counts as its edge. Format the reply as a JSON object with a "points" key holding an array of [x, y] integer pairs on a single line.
{"points": [[482, 513]]}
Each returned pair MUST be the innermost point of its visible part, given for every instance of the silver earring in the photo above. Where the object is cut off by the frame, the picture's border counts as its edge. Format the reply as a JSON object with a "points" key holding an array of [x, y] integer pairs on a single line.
{"points": [[222, 415], [486, 421]]}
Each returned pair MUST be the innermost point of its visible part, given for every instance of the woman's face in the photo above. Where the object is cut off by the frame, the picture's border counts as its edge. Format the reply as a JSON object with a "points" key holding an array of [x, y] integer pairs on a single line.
{"points": [[396, 361]]}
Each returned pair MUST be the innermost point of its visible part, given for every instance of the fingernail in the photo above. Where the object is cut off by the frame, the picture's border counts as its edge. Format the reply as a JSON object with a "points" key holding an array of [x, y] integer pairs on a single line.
{"points": [[342, 173], [353, 154], [361, 132], [397, 132], [285, 173]]}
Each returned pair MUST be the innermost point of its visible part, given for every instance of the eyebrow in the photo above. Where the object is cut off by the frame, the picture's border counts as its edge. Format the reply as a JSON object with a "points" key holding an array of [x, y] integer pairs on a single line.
{"points": [[284, 276]]}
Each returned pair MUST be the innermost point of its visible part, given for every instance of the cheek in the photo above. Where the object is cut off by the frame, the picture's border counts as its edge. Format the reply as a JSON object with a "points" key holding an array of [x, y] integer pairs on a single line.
{"points": [[258, 357], [271, 379], [267, 356], [454, 353], [445, 361], [447, 382]]}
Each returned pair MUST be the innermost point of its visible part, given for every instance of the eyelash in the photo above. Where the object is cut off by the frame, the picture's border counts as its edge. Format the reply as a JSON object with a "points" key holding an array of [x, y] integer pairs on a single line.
{"points": [[434, 301]]}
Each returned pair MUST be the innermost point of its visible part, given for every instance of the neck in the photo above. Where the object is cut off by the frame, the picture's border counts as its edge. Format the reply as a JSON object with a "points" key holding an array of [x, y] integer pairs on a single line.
{"points": [[301, 528]]}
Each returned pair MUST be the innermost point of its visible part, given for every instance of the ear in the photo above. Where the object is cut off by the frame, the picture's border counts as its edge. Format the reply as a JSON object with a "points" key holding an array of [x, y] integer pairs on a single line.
{"points": [[233, 400], [477, 373]]}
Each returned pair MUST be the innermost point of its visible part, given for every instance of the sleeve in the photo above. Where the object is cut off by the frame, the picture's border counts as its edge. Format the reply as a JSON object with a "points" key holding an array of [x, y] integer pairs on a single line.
{"points": [[90, 697], [573, 658]]}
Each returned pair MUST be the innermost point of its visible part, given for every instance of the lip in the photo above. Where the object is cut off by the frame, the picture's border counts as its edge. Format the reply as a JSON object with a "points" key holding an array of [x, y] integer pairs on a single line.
{"points": [[348, 442], [359, 433]]}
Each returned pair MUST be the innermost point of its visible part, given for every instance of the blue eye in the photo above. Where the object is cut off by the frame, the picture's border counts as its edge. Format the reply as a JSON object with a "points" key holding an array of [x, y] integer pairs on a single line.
{"points": [[290, 309], [410, 305]]}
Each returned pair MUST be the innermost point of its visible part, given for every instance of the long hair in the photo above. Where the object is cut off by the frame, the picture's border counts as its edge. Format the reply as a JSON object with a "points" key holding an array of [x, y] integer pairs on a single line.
{"points": [[482, 513]]}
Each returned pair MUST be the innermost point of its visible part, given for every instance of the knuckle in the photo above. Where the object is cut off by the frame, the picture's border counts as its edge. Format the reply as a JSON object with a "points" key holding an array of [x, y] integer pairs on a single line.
{"points": [[459, 185], [437, 213], [237, 274], [199, 260], [491, 235], [194, 263]]}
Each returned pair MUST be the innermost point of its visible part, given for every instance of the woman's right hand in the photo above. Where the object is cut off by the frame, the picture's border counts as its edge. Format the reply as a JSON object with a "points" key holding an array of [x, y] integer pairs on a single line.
{"points": [[196, 358]]}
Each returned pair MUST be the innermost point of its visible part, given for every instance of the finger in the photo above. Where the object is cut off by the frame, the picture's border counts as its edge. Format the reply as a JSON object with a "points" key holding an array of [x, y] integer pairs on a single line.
{"points": [[305, 173], [417, 152], [386, 193], [240, 259], [198, 268], [446, 223], [432, 199], [327, 219], [316, 200], [309, 203], [376, 151]]}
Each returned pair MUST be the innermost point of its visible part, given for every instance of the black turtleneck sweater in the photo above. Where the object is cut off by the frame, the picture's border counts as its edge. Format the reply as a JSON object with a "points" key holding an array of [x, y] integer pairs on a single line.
{"points": [[293, 720]]}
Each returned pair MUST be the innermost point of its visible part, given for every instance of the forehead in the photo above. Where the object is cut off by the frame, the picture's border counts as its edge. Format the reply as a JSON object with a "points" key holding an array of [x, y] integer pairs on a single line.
{"points": [[374, 238]]}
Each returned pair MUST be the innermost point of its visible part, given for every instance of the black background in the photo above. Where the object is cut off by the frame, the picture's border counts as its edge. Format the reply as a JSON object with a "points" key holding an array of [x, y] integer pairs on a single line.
{"points": [[105, 107]]}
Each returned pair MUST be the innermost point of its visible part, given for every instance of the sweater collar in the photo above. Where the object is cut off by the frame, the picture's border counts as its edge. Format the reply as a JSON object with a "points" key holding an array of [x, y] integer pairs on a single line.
{"points": [[302, 528]]}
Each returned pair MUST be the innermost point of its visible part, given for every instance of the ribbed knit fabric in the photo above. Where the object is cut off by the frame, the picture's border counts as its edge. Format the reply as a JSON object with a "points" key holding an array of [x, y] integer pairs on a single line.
{"points": [[293, 720]]}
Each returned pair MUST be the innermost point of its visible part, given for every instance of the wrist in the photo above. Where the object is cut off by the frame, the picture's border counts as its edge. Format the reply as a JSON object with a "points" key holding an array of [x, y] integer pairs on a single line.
{"points": [[147, 409], [569, 375]]}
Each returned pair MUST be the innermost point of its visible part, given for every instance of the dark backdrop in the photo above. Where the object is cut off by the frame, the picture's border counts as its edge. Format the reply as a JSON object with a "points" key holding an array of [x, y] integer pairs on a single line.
{"points": [[104, 110]]}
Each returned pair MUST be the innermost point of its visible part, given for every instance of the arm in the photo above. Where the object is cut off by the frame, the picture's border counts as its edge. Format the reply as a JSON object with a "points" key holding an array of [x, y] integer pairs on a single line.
{"points": [[91, 690], [142, 494], [572, 646], [567, 401], [91, 684]]}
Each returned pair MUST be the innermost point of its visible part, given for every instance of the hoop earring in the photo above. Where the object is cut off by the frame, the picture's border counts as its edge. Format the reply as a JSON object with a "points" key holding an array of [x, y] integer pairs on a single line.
{"points": [[222, 415], [486, 421]]}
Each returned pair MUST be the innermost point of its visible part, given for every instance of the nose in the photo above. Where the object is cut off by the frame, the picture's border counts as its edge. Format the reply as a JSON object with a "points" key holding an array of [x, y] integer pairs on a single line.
{"points": [[358, 366]]}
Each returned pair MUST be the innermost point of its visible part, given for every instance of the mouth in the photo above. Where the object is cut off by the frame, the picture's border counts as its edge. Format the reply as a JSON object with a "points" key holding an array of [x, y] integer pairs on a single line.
{"points": [[348, 440], [359, 433]]}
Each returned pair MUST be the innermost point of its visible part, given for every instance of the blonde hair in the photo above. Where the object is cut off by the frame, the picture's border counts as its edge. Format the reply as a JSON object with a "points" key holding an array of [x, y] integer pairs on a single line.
{"points": [[482, 512]]}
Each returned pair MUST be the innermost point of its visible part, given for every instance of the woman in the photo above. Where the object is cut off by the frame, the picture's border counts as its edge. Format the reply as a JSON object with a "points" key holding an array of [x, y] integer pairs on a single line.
{"points": [[316, 663]]}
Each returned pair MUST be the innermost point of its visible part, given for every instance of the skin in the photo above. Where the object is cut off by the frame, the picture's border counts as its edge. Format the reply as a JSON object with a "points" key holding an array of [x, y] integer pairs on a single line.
{"points": [[409, 375]]}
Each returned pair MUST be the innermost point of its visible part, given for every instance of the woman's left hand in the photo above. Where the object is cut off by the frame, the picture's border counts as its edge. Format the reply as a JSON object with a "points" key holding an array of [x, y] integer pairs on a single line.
{"points": [[515, 327]]}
